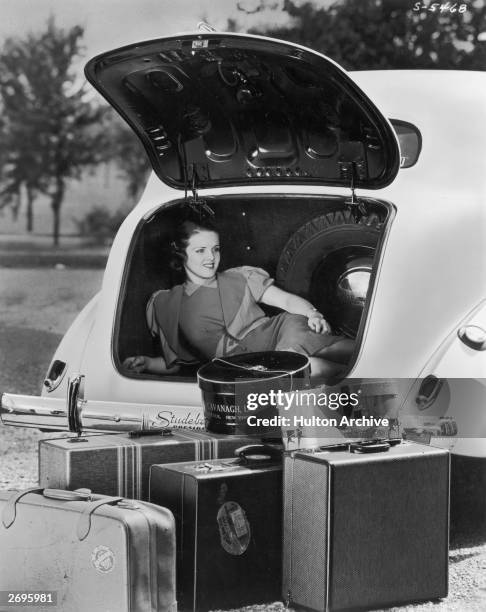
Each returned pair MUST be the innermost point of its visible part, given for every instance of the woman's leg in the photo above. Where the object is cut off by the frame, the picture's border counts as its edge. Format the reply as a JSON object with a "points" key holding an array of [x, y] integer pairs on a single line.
{"points": [[339, 352], [323, 371], [331, 361]]}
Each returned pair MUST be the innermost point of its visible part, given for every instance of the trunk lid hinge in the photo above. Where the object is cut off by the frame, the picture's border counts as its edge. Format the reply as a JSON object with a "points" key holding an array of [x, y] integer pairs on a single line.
{"points": [[349, 171], [199, 206]]}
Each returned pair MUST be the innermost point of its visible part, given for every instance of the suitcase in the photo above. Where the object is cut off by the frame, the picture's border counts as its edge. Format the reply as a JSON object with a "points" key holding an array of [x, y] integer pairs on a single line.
{"points": [[87, 552], [229, 528], [119, 464], [365, 525]]}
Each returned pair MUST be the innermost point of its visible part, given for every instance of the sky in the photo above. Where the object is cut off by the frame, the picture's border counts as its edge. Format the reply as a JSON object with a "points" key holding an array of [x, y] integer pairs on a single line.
{"points": [[109, 24], [112, 23]]}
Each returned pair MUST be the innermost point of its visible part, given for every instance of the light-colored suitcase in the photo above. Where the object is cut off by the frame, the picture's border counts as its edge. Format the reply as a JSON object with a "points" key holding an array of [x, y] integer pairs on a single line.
{"points": [[120, 464], [90, 552]]}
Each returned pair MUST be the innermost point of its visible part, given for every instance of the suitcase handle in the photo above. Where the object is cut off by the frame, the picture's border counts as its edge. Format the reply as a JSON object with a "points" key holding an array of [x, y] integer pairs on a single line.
{"points": [[258, 453], [80, 495], [84, 523], [155, 431], [373, 447], [10, 510]]}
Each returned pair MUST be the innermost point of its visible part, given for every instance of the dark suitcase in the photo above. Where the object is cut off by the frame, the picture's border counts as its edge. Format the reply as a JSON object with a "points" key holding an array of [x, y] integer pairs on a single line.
{"points": [[86, 552], [229, 529], [365, 525], [119, 464]]}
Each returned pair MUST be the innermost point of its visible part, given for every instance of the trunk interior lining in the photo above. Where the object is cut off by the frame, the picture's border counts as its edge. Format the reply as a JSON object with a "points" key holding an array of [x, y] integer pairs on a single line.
{"points": [[254, 231]]}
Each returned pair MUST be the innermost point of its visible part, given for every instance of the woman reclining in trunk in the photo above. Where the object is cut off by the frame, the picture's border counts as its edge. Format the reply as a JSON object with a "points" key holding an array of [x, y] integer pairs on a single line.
{"points": [[217, 314]]}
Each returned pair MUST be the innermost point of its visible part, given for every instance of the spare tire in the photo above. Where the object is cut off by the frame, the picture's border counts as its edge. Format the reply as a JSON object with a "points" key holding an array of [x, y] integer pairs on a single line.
{"points": [[329, 261]]}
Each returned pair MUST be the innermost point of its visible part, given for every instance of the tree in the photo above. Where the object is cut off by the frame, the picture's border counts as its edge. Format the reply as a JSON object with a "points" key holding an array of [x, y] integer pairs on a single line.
{"points": [[18, 169], [49, 125], [378, 34], [130, 156]]}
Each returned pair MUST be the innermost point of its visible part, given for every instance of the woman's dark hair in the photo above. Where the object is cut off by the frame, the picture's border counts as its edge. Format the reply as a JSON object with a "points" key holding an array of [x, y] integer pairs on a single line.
{"points": [[186, 228]]}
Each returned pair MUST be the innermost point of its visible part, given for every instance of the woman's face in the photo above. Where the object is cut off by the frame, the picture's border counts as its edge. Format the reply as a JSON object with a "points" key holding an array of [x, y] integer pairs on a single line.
{"points": [[202, 256]]}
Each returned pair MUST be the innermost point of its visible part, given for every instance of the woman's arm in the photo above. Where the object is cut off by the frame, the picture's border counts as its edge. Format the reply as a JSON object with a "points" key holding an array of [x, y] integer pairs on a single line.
{"points": [[294, 304], [153, 365]]}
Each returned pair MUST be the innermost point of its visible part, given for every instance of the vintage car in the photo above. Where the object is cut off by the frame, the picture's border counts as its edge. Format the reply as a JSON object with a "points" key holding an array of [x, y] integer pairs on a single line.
{"points": [[363, 192]]}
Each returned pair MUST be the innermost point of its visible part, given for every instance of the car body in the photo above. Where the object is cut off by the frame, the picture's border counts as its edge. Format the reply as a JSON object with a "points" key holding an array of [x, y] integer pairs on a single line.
{"points": [[411, 261]]}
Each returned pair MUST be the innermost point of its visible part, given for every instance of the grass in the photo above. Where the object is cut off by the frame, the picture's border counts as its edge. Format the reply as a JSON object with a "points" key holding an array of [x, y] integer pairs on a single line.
{"points": [[39, 252]]}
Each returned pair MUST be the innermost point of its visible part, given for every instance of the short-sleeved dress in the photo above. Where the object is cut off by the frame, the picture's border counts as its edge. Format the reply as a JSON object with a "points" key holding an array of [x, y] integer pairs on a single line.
{"points": [[222, 318]]}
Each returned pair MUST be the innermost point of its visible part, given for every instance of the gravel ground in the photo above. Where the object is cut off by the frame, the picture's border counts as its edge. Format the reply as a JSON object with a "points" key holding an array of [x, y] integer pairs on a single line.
{"points": [[36, 307], [45, 299]]}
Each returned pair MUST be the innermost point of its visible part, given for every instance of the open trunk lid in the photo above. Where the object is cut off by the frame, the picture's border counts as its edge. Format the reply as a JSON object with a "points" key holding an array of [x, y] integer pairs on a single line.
{"points": [[218, 109]]}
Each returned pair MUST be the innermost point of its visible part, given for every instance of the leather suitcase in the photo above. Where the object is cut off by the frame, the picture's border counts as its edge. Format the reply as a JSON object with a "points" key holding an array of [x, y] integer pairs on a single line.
{"points": [[229, 528], [94, 553], [120, 464], [365, 525]]}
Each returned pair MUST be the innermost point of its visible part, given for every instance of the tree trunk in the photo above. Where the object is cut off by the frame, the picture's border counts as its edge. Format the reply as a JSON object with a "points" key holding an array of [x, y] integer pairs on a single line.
{"points": [[30, 210], [16, 206], [56, 203]]}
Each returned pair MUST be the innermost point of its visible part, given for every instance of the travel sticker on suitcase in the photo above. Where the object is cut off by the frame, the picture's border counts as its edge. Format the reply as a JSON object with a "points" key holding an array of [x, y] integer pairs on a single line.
{"points": [[234, 528]]}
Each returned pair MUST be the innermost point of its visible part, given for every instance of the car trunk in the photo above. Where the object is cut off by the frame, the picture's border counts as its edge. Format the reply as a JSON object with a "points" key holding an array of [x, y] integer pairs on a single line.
{"points": [[221, 110], [325, 249]]}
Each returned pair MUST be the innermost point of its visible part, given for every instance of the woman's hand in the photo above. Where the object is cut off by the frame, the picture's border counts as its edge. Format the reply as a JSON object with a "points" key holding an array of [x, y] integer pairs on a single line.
{"points": [[318, 323], [137, 364], [295, 304], [153, 365]]}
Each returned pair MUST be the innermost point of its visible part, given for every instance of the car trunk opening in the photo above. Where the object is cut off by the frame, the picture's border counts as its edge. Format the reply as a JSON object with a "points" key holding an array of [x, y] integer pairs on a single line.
{"points": [[321, 248]]}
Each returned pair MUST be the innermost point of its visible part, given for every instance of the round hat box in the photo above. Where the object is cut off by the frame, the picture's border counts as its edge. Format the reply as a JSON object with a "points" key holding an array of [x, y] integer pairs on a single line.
{"points": [[237, 387]]}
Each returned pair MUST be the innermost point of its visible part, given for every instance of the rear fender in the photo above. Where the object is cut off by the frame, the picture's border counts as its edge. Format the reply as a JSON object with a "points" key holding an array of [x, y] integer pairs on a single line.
{"points": [[453, 404], [71, 349]]}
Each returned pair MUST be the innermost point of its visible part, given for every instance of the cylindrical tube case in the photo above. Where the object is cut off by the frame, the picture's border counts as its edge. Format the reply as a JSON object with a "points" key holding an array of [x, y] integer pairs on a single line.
{"points": [[227, 384]]}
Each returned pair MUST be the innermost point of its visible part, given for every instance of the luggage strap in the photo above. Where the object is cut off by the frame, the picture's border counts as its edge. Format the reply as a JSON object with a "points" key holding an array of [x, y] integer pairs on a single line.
{"points": [[10, 510], [84, 523]]}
